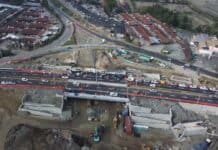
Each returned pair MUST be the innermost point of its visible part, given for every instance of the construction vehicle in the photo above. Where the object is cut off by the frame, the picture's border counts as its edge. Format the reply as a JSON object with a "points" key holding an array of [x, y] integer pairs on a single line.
{"points": [[98, 134], [204, 145], [162, 82], [145, 147], [115, 122]]}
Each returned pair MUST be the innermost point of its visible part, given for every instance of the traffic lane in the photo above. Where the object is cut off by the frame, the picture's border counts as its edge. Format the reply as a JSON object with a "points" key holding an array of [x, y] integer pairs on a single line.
{"points": [[197, 90], [95, 92], [93, 77], [176, 87], [184, 96], [34, 82], [148, 92], [96, 75], [18, 73], [132, 93], [98, 79], [96, 87], [132, 90]]}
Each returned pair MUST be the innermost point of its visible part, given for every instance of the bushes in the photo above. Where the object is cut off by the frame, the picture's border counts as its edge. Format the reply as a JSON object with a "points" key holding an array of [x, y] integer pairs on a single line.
{"points": [[212, 29]]}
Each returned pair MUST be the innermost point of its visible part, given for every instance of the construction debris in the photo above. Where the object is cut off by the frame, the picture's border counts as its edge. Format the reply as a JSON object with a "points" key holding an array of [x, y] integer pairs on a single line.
{"points": [[184, 130], [40, 103], [142, 116]]}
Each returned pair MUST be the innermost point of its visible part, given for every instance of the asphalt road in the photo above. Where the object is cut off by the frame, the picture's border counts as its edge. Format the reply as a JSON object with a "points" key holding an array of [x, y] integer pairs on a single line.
{"points": [[13, 77], [100, 77], [132, 92]]}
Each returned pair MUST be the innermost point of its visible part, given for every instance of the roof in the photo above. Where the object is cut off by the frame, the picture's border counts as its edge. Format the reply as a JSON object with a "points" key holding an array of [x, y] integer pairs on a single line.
{"points": [[30, 31], [146, 26]]}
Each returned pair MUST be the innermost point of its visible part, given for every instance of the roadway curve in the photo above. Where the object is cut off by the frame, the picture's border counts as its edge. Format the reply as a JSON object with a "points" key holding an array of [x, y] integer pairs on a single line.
{"points": [[42, 52]]}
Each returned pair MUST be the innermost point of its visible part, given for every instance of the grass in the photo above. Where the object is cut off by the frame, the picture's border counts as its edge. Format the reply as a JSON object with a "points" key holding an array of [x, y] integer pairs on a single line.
{"points": [[71, 41]]}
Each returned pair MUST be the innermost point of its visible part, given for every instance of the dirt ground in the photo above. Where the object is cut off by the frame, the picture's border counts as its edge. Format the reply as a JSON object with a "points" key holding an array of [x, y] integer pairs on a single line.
{"points": [[112, 139], [24, 137], [9, 103], [81, 58]]}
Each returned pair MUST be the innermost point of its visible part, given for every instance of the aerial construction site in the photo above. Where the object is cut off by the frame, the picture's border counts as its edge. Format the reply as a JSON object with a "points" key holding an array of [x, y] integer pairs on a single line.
{"points": [[92, 75]]}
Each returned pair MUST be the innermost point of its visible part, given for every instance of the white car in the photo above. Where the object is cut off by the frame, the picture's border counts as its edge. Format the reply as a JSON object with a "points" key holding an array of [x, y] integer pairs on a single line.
{"points": [[154, 81], [24, 79], [113, 94], [152, 90], [187, 65], [44, 80], [64, 77], [7, 82], [130, 78], [203, 88], [213, 89], [152, 85], [78, 74], [182, 85], [193, 86]]}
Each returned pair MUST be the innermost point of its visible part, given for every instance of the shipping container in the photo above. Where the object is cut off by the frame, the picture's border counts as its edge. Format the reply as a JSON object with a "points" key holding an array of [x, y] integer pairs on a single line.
{"points": [[128, 125]]}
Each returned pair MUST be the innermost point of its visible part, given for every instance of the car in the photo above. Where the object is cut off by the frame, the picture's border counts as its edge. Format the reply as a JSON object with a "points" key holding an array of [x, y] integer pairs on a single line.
{"points": [[182, 85], [64, 77], [154, 81], [152, 85], [113, 94], [152, 90], [44, 80], [187, 65], [193, 86], [213, 89], [7, 82], [203, 88], [130, 78], [78, 74], [24, 79], [171, 84]]}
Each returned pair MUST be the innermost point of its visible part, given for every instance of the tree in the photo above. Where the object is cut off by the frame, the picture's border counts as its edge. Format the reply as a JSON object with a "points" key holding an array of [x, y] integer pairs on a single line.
{"points": [[110, 5], [175, 21], [45, 3], [16, 2]]}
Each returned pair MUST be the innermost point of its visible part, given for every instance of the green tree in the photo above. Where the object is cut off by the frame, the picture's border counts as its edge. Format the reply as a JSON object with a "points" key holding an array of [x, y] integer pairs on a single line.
{"points": [[110, 5], [16, 2]]}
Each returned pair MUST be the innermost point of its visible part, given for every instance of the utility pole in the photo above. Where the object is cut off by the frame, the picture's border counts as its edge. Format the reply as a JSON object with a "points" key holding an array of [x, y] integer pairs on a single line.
{"points": [[94, 61]]}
